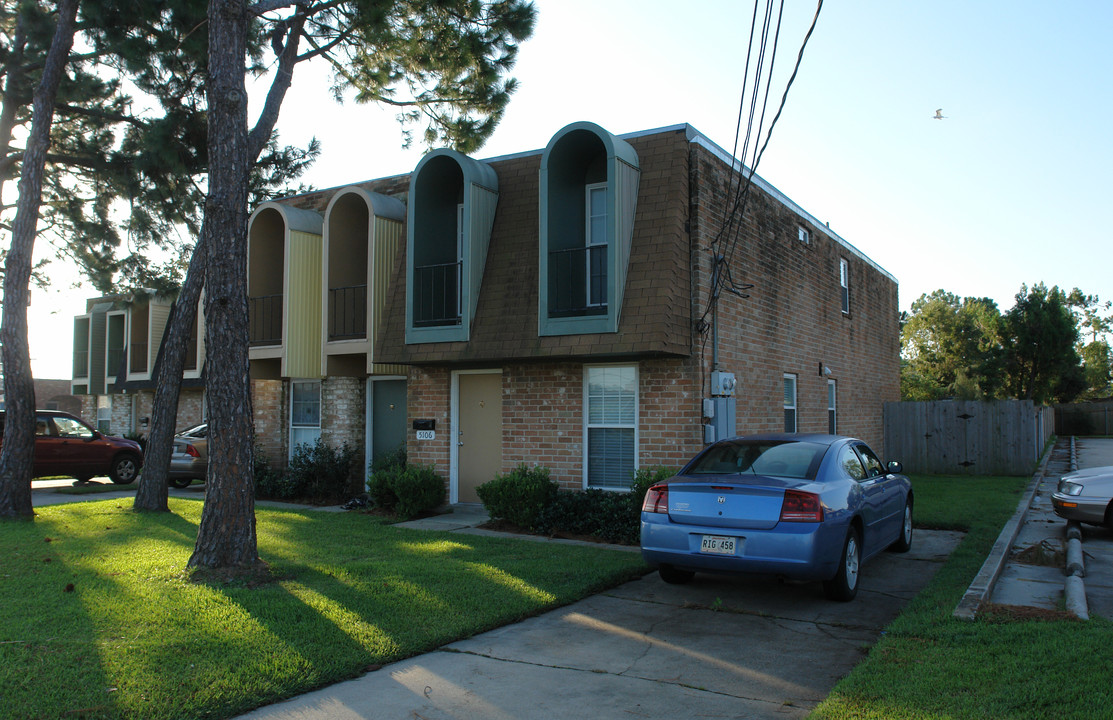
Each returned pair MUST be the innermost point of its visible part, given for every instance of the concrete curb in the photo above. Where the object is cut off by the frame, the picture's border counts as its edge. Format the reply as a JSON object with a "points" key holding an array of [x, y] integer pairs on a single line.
{"points": [[982, 586], [1074, 590]]}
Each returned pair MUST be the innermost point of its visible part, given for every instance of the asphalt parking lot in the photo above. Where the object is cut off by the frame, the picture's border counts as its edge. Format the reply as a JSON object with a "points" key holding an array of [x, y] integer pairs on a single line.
{"points": [[718, 647]]}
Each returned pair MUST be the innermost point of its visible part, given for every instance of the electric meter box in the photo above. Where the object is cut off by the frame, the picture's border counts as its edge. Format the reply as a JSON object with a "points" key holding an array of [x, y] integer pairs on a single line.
{"points": [[722, 383]]}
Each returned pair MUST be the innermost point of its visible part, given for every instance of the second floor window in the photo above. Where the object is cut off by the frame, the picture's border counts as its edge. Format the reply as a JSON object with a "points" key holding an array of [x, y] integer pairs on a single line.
{"points": [[596, 232], [844, 284]]}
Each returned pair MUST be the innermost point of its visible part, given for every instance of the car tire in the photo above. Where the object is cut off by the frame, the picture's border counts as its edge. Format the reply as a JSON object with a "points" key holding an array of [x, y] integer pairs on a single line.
{"points": [[124, 469], [673, 576], [844, 585], [904, 542], [181, 483]]}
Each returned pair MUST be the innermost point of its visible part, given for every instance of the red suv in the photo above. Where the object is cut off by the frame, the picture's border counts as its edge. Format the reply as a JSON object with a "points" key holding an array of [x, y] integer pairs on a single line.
{"points": [[65, 445]]}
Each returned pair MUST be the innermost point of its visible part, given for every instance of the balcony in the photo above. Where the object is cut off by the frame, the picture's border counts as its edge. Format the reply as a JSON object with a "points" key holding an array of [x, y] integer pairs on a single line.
{"points": [[347, 312], [436, 295], [80, 363], [578, 281], [265, 320]]}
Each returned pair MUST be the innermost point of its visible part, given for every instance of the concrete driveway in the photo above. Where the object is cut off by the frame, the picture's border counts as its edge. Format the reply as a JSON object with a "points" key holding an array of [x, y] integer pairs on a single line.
{"points": [[718, 647]]}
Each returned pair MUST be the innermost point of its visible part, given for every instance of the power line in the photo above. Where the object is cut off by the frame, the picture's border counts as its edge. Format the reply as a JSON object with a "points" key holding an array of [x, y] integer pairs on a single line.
{"points": [[741, 194]]}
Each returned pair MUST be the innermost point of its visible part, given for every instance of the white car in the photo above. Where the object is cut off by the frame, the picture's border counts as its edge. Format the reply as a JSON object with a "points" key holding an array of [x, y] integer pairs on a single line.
{"points": [[1086, 496], [189, 459]]}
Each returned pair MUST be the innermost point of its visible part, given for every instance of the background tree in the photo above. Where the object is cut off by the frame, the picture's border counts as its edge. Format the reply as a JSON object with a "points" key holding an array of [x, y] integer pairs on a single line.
{"points": [[951, 348], [1095, 322], [17, 454], [448, 57], [124, 188], [1041, 360]]}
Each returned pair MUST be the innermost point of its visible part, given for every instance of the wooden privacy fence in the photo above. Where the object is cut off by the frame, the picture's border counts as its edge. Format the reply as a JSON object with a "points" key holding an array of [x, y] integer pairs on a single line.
{"points": [[1088, 418], [959, 437]]}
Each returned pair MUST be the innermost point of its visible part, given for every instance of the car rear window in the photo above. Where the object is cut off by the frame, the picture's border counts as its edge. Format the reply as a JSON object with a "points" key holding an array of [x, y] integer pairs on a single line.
{"points": [[798, 460]]}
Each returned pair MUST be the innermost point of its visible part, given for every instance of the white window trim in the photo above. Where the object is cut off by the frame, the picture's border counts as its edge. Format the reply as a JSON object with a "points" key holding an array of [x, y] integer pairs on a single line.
{"points": [[590, 241], [290, 417], [832, 406], [844, 285], [803, 235], [587, 425], [794, 407]]}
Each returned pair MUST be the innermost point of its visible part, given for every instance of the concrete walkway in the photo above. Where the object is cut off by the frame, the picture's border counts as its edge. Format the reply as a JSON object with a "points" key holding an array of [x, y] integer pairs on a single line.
{"points": [[1028, 565]]}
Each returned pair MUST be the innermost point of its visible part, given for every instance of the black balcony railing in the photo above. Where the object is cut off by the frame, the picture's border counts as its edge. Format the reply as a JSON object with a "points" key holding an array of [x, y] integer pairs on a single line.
{"points": [[115, 355], [138, 352], [80, 363], [265, 319], [436, 295], [347, 312], [578, 281]]}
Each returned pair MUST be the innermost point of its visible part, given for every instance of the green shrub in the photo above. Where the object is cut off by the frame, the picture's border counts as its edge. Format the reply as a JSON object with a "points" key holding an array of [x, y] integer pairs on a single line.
{"points": [[380, 486], [406, 490], [418, 488], [519, 496], [269, 482], [396, 458], [321, 471], [610, 516]]}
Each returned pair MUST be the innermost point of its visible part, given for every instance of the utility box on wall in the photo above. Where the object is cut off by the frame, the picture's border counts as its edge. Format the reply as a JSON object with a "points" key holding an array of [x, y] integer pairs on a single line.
{"points": [[720, 411]]}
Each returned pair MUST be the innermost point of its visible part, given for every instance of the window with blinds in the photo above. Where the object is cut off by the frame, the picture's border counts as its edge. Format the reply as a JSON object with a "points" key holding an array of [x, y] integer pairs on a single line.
{"points": [[611, 424]]}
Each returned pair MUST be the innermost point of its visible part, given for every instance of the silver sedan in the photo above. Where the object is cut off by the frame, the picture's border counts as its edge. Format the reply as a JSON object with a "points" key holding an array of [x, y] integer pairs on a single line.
{"points": [[1086, 496]]}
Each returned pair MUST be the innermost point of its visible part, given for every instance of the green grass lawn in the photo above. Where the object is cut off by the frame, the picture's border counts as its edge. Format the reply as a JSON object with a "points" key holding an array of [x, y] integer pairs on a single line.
{"points": [[931, 665], [98, 620]]}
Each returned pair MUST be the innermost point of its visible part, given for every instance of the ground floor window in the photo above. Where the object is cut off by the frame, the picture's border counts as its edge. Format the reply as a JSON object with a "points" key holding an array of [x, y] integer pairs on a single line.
{"points": [[104, 413], [305, 413], [832, 396], [790, 403], [610, 425]]}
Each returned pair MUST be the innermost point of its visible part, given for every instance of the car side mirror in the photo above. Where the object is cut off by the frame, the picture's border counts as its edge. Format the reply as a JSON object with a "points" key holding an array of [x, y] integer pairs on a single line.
{"points": [[895, 467]]}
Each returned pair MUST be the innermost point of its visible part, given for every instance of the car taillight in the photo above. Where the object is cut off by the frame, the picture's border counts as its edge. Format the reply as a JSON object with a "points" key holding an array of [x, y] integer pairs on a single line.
{"points": [[192, 451], [656, 500], [799, 506]]}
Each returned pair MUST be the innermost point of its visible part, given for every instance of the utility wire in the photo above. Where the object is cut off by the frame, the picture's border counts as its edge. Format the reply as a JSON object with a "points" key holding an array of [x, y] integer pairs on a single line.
{"points": [[738, 206]]}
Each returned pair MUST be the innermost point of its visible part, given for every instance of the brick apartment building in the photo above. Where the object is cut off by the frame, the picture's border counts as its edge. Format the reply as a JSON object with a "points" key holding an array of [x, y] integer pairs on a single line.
{"points": [[555, 308], [116, 342]]}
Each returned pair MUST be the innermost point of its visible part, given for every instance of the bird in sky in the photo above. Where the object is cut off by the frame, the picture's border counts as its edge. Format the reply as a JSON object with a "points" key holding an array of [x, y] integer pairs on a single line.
{"points": [[938, 115]]}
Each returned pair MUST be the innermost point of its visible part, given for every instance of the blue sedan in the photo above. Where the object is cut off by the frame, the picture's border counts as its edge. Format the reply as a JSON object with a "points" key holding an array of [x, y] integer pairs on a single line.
{"points": [[804, 507]]}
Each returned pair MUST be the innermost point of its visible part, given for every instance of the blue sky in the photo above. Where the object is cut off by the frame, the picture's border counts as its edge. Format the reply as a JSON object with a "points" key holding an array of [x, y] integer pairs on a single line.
{"points": [[1010, 188]]}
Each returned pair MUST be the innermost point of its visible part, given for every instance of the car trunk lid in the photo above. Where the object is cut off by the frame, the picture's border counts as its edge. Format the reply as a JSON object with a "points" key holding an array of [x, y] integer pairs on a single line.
{"points": [[752, 503]]}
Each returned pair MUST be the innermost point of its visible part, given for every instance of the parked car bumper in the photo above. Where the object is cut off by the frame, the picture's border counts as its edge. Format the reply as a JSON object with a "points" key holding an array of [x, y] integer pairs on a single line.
{"points": [[1079, 507], [800, 551]]}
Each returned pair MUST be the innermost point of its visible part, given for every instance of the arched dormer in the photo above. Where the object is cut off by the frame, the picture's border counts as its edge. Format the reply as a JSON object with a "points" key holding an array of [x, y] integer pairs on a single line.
{"points": [[588, 196], [363, 232], [284, 291], [452, 202]]}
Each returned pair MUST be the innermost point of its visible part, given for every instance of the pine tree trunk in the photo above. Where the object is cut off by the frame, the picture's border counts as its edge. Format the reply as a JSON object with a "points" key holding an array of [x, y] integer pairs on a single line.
{"points": [[226, 536], [152, 493], [18, 454]]}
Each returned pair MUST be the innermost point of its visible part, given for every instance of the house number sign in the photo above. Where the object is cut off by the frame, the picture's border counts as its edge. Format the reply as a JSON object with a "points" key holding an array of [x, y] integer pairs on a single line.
{"points": [[426, 434]]}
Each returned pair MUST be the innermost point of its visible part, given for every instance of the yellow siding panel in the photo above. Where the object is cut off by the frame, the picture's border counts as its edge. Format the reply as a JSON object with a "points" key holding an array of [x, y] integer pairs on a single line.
{"points": [[303, 306], [388, 238]]}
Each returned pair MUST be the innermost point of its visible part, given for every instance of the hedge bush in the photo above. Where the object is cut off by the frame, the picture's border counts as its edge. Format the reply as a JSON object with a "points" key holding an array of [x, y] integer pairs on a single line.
{"points": [[406, 490], [527, 498], [418, 488], [519, 496], [610, 516], [317, 472]]}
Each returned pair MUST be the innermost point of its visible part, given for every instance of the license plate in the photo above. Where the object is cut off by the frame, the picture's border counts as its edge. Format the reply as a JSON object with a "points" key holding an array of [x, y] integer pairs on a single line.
{"points": [[718, 545]]}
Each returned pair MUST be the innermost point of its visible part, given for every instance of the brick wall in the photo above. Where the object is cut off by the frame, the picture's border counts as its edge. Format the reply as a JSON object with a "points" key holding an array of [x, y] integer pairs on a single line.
{"points": [[793, 320], [428, 391], [343, 400], [268, 398]]}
